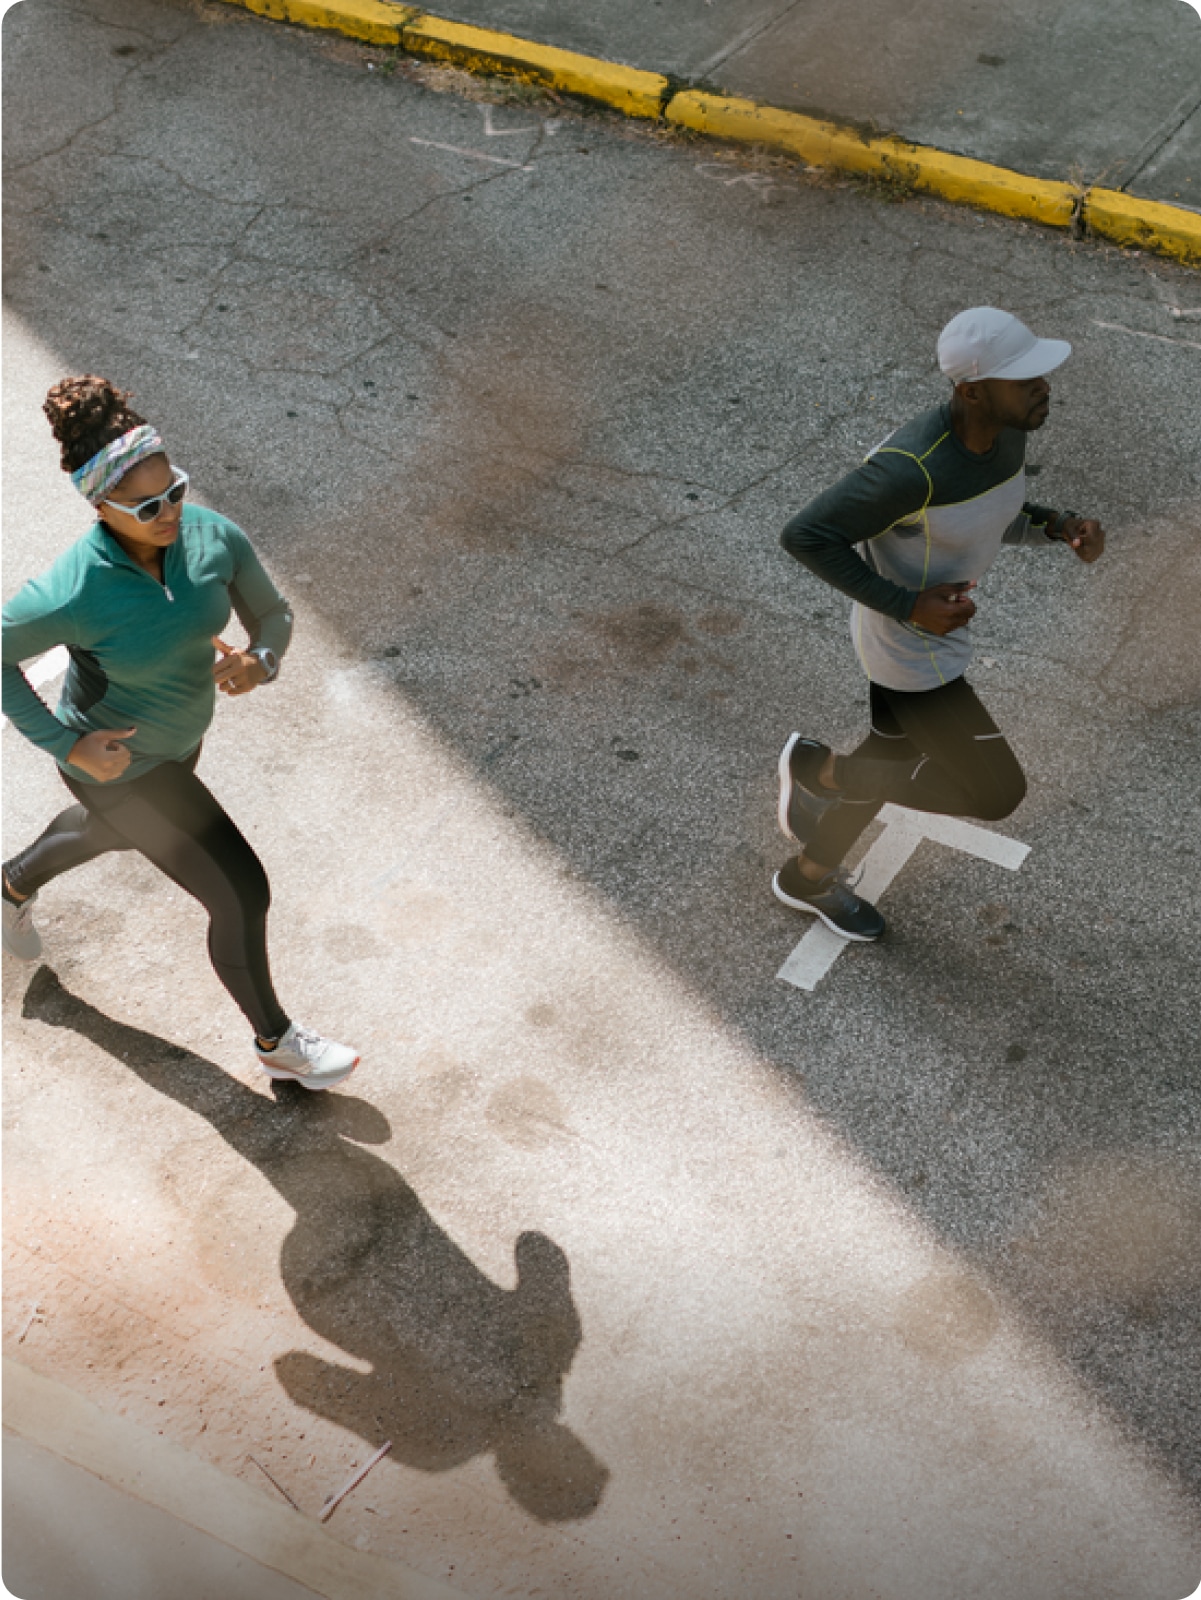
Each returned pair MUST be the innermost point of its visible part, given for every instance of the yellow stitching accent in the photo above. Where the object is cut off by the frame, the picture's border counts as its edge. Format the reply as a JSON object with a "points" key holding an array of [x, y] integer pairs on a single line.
{"points": [[921, 461]]}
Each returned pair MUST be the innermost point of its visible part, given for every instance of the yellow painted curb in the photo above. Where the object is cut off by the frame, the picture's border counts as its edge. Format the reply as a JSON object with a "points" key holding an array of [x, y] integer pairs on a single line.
{"points": [[629, 89], [825, 144], [1148, 224], [152, 1469], [373, 21]]}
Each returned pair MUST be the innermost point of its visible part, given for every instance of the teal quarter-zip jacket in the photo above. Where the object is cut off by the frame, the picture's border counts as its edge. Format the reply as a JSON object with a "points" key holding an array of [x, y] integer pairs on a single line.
{"points": [[141, 651]]}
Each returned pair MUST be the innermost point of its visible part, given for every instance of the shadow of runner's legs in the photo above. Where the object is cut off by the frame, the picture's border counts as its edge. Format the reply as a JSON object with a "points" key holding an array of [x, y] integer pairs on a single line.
{"points": [[459, 1366]]}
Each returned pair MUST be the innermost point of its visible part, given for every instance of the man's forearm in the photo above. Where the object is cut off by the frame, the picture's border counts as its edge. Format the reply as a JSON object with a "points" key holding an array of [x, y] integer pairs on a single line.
{"points": [[829, 557]]}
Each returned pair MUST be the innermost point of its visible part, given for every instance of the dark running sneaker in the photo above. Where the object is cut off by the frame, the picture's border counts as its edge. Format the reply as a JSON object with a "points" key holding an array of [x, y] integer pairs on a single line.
{"points": [[831, 899], [804, 800]]}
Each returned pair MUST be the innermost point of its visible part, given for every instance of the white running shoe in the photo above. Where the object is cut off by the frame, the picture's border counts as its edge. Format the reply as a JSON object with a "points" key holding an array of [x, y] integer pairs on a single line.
{"points": [[21, 938], [304, 1057]]}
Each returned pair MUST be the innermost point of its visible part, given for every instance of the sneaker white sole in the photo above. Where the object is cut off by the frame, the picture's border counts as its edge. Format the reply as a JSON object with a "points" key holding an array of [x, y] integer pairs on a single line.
{"points": [[815, 911], [330, 1081], [785, 770], [26, 946]]}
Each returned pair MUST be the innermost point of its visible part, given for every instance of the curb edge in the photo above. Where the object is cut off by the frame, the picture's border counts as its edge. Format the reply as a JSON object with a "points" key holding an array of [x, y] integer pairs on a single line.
{"points": [[161, 1473], [1169, 230]]}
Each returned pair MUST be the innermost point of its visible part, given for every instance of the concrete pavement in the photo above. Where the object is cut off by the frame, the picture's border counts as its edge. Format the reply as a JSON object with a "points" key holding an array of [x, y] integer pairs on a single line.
{"points": [[1069, 128], [1091, 89], [96, 1506], [663, 1278]]}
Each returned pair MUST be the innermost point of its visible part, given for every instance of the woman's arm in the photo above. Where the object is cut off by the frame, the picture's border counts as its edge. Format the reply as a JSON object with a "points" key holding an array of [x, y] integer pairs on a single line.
{"points": [[261, 609], [33, 624]]}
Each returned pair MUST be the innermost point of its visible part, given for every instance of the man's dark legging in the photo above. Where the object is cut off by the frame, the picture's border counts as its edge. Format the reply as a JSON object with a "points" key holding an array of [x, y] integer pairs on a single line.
{"points": [[172, 819], [933, 750]]}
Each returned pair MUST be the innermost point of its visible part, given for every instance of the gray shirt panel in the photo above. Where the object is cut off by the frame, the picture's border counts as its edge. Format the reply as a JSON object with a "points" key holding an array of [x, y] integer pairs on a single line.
{"points": [[921, 510]]}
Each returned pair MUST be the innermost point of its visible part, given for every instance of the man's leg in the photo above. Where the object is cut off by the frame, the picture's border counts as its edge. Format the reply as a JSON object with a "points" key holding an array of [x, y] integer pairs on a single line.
{"points": [[887, 750], [947, 755], [938, 751]]}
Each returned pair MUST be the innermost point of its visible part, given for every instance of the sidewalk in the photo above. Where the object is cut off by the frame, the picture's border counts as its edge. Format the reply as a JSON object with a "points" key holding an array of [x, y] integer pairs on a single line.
{"points": [[663, 1278], [1086, 118], [1095, 90], [96, 1507]]}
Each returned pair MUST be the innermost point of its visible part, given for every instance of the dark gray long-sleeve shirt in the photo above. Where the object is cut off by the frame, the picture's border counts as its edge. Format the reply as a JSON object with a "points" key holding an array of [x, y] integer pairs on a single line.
{"points": [[921, 510]]}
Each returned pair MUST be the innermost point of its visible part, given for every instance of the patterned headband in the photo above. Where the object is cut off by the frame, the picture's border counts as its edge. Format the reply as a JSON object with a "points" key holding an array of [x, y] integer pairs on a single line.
{"points": [[97, 476]]}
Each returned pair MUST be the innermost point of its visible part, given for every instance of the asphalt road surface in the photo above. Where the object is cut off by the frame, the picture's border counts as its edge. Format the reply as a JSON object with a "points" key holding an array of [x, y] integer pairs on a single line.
{"points": [[665, 1276]]}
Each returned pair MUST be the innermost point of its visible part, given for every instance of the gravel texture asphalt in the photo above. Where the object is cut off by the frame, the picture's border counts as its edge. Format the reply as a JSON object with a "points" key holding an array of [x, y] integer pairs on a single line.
{"points": [[664, 1277]]}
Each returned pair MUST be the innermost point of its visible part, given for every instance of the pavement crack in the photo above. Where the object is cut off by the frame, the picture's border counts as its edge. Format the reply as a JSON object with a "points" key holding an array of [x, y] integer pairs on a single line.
{"points": [[218, 283]]}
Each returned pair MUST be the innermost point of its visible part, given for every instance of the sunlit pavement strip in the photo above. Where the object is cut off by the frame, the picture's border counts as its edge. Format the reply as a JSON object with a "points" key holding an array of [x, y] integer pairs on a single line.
{"points": [[157, 1473], [904, 830], [796, 1285], [787, 1373]]}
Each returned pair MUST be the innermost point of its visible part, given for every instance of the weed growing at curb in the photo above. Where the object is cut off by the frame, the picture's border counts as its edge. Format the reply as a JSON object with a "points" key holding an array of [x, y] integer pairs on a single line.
{"points": [[891, 187]]}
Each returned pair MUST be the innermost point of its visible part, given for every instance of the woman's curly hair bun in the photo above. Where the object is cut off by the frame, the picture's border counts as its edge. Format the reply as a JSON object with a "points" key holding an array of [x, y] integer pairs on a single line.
{"points": [[86, 414]]}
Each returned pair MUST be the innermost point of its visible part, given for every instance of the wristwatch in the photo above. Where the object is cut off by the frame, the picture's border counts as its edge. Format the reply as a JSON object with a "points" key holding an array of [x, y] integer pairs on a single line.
{"points": [[1061, 518], [267, 659]]}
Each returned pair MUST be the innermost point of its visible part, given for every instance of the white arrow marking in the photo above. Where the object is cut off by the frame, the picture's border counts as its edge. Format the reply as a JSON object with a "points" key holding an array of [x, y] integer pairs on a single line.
{"points": [[903, 831]]}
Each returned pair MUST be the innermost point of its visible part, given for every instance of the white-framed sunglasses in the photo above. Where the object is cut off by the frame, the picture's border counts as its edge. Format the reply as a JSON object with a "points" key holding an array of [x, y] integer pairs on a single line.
{"points": [[147, 510]]}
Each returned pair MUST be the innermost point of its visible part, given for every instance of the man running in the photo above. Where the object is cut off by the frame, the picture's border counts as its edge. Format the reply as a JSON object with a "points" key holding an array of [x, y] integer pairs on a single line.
{"points": [[907, 535]]}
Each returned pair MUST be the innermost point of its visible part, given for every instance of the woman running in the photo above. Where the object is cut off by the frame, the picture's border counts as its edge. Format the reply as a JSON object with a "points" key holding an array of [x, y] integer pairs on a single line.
{"points": [[140, 602]]}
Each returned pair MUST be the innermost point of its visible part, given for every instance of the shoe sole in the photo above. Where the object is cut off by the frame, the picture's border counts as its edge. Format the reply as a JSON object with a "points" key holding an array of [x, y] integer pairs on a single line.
{"points": [[282, 1075], [784, 768], [27, 947], [788, 785], [816, 911]]}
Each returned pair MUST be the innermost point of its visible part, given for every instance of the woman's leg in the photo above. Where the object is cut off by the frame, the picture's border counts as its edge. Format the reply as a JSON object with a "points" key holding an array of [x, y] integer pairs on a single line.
{"points": [[73, 838], [172, 819]]}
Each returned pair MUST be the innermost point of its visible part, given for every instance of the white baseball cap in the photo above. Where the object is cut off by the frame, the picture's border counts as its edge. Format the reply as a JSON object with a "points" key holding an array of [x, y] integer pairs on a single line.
{"points": [[987, 343]]}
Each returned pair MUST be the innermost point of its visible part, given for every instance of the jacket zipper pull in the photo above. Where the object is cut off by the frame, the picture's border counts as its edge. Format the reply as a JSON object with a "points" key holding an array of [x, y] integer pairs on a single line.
{"points": [[167, 592]]}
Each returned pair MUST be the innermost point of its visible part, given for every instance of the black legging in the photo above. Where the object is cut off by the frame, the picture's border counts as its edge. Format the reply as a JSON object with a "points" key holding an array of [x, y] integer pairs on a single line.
{"points": [[171, 818], [931, 750]]}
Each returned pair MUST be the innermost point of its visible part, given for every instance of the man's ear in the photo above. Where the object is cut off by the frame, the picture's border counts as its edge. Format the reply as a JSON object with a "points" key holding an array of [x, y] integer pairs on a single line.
{"points": [[970, 394]]}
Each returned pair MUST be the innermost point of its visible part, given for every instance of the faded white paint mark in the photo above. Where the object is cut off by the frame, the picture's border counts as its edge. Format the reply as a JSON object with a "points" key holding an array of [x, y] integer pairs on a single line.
{"points": [[504, 133], [1138, 333], [475, 155]]}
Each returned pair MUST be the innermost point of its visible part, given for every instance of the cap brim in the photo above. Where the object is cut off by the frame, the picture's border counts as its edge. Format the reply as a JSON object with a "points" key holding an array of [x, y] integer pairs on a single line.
{"points": [[1043, 357]]}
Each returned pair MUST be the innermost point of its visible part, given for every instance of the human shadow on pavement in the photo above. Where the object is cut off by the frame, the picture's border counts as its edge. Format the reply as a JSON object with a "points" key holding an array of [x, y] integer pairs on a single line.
{"points": [[459, 1366]]}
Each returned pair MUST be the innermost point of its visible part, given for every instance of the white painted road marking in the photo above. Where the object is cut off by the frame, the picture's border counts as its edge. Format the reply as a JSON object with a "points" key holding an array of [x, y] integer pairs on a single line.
{"points": [[1160, 338], [476, 155], [45, 669], [505, 133], [903, 832], [761, 182]]}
